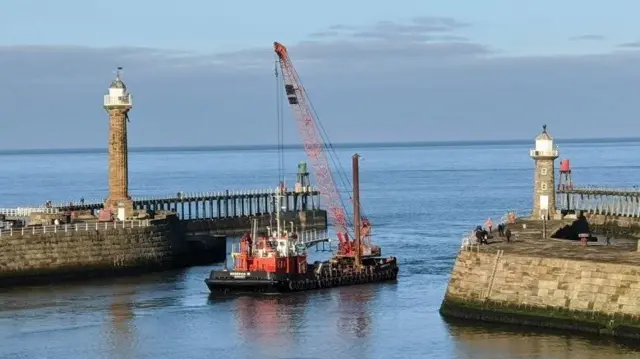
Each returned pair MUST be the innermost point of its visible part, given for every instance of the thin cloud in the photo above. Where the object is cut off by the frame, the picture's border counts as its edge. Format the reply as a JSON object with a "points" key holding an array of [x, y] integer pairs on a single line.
{"points": [[340, 27], [588, 37], [632, 44], [423, 39], [439, 24], [324, 34], [416, 29]]}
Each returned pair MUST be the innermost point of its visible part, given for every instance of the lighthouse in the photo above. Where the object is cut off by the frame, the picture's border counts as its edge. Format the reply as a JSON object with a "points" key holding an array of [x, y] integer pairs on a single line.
{"points": [[117, 103], [544, 195]]}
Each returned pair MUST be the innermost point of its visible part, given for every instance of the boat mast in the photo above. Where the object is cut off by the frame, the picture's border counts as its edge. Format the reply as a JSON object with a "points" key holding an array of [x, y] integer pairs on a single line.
{"points": [[280, 128], [356, 210], [278, 205]]}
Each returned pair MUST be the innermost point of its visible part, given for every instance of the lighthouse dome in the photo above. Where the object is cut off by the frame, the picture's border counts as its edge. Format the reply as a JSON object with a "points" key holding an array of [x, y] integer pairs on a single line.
{"points": [[117, 84]]}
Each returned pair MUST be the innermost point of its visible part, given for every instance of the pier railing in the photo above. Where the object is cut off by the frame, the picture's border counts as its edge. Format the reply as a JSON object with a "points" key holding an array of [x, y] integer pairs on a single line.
{"points": [[511, 215], [199, 195], [313, 237], [109, 100], [622, 202], [75, 227], [195, 205], [551, 153], [26, 211], [187, 196], [600, 191]]}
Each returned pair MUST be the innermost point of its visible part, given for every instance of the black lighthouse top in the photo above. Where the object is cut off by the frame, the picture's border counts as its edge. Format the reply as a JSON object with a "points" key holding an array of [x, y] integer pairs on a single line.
{"points": [[544, 135]]}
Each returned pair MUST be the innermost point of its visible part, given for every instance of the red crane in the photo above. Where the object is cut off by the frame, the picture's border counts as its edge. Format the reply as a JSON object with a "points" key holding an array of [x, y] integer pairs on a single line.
{"points": [[314, 147]]}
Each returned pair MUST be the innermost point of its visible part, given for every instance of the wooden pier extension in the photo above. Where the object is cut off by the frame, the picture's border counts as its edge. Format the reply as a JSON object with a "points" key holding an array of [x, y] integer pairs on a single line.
{"points": [[193, 206]]}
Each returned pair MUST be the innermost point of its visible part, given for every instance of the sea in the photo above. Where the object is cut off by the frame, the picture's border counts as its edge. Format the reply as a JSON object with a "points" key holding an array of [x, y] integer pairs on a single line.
{"points": [[421, 199]]}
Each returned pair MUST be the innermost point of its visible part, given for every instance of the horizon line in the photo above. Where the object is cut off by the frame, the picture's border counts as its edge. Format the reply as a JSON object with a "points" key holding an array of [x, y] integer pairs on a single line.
{"points": [[249, 147]]}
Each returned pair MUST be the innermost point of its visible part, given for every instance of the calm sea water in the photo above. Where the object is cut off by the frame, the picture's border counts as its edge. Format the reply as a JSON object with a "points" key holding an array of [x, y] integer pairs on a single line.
{"points": [[420, 200]]}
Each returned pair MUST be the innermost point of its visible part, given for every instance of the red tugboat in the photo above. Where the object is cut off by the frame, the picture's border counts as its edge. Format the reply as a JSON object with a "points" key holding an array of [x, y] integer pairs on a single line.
{"points": [[277, 262]]}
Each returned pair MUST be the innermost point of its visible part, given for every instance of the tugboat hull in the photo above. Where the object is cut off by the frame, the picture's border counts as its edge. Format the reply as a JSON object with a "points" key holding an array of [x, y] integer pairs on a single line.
{"points": [[239, 286], [317, 277]]}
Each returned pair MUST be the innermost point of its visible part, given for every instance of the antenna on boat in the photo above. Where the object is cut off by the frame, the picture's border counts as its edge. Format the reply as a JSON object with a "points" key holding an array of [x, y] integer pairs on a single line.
{"points": [[254, 235], [278, 209]]}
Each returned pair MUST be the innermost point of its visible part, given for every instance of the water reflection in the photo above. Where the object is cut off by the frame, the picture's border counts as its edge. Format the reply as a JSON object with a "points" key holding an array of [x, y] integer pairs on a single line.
{"points": [[121, 332], [354, 315], [475, 340], [272, 320]]}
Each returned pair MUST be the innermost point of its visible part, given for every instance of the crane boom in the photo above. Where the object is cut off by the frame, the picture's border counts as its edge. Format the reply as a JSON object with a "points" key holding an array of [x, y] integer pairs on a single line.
{"points": [[314, 147]]}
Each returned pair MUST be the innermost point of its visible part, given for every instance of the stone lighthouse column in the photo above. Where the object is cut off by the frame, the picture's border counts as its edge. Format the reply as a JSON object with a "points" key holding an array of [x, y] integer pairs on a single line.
{"points": [[117, 103], [544, 192]]}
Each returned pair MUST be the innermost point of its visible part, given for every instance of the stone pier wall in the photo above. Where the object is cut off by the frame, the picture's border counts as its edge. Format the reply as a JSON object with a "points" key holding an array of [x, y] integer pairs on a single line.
{"points": [[86, 253], [616, 225], [582, 295], [34, 257]]}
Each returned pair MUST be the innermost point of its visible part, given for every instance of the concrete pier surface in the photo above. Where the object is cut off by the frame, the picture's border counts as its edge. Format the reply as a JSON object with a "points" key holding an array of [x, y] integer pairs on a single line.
{"points": [[529, 241]]}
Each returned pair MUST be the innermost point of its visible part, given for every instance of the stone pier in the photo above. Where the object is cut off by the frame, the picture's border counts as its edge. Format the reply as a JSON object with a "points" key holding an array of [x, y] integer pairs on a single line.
{"points": [[548, 283]]}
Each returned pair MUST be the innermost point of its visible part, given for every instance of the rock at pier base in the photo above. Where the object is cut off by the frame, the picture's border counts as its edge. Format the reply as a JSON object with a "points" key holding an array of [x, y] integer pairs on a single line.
{"points": [[548, 317]]}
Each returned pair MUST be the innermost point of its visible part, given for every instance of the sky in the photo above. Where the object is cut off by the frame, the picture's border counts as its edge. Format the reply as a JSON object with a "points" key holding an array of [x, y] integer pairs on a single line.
{"points": [[202, 72]]}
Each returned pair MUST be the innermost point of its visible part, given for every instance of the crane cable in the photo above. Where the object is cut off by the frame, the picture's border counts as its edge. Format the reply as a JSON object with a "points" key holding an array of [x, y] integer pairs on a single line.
{"points": [[326, 143], [344, 179], [326, 149], [280, 129]]}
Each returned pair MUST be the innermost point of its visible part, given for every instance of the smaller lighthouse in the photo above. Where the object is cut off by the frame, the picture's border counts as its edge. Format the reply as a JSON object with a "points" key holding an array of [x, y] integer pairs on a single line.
{"points": [[544, 193], [117, 103]]}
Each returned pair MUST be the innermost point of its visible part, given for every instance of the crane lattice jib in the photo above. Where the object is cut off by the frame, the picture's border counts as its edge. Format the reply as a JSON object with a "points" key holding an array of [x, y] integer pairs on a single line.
{"points": [[313, 145]]}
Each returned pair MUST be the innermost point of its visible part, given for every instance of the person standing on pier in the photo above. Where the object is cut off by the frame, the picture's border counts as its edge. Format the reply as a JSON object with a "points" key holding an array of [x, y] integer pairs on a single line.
{"points": [[489, 224], [507, 234], [582, 227]]}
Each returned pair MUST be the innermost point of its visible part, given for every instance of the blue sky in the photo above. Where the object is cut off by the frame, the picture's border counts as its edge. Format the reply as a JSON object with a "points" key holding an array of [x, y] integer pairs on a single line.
{"points": [[376, 71]]}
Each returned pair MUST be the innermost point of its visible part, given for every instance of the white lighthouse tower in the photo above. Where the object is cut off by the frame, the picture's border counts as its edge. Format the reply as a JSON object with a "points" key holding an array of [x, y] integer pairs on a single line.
{"points": [[544, 193], [117, 103]]}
